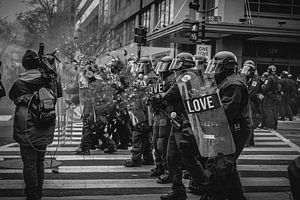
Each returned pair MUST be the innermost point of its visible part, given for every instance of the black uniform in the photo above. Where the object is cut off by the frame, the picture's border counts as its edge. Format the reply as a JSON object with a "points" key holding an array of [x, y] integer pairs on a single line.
{"points": [[254, 88], [235, 99], [271, 91], [287, 90], [178, 150]]}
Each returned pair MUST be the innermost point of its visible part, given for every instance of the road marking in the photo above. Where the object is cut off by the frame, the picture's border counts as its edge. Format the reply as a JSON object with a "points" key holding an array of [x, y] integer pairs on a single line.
{"points": [[124, 157], [287, 141], [144, 169], [268, 157], [268, 149], [266, 138], [270, 143], [131, 183]]}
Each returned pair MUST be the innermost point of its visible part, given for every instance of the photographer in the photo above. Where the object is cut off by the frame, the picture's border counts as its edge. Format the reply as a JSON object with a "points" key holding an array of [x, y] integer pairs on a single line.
{"points": [[34, 124], [2, 90]]}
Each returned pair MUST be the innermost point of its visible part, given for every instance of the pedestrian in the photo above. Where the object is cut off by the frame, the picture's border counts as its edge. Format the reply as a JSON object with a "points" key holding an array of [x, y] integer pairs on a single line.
{"points": [[2, 89], [271, 89], [34, 126], [235, 100], [287, 91], [254, 87]]}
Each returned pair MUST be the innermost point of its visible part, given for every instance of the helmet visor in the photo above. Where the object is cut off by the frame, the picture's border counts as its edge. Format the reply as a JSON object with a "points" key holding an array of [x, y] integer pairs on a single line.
{"points": [[176, 64], [163, 67], [141, 68], [213, 67], [245, 70]]}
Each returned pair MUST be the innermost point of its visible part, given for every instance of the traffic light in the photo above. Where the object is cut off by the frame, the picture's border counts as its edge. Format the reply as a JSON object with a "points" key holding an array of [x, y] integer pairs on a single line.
{"points": [[195, 5], [194, 32], [140, 35]]}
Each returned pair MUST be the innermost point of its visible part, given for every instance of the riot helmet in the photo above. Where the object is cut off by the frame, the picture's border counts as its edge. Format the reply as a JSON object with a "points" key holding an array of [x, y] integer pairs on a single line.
{"points": [[201, 62], [182, 61], [264, 76], [271, 69], [162, 67], [284, 74], [144, 66], [248, 69], [222, 65]]}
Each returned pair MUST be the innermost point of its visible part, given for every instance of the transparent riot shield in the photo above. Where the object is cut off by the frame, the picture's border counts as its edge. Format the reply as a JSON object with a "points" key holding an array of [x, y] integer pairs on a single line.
{"points": [[205, 113]]}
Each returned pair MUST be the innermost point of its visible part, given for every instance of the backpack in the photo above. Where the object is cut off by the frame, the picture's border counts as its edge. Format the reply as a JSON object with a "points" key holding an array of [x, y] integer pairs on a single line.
{"points": [[43, 106]]}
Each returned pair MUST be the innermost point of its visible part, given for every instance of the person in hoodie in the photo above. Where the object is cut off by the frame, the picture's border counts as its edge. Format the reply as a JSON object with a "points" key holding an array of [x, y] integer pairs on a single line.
{"points": [[33, 139]]}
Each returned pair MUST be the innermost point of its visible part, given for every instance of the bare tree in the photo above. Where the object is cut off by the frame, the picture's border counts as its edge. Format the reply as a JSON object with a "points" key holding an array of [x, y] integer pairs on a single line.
{"points": [[7, 35], [45, 23]]}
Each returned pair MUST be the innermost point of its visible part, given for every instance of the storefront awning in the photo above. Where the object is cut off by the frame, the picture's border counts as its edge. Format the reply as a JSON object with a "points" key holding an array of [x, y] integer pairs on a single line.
{"points": [[224, 29]]}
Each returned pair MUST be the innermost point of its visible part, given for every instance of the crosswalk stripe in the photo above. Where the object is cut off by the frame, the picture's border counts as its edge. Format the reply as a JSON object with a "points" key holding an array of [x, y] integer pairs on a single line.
{"points": [[269, 149], [115, 169], [123, 157], [266, 138], [268, 157], [131, 183]]}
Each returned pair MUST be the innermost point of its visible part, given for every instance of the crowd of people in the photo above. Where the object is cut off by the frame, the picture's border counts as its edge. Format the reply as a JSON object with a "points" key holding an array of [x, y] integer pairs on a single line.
{"points": [[132, 103], [146, 123]]}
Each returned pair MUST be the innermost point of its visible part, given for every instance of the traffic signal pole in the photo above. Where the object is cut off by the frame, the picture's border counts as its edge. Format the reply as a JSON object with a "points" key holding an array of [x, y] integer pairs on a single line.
{"points": [[140, 24], [203, 23]]}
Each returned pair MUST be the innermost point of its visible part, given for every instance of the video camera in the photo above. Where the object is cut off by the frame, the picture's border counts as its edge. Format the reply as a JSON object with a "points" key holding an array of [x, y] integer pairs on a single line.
{"points": [[47, 62]]}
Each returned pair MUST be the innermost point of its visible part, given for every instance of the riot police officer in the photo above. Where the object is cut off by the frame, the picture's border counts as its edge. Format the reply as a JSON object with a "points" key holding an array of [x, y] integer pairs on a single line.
{"points": [[271, 90], [287, 90], [141, 131], [235, 99], [180, 150], [254, 87], [161, 125]]}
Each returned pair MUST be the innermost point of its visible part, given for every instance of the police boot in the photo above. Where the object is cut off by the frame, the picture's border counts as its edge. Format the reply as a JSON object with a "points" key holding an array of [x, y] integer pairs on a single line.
{"points": [[83, 152], [157, 171], [131, 163], [174, 196]]}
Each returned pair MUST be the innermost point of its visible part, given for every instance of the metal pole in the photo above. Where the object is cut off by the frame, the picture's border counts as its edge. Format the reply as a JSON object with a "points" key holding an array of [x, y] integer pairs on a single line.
{"points": [[203, 22], [140, 24]]}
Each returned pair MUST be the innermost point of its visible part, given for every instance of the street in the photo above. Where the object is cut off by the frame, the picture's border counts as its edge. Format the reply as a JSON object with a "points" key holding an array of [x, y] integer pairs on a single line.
{"points": [[263, 170]]}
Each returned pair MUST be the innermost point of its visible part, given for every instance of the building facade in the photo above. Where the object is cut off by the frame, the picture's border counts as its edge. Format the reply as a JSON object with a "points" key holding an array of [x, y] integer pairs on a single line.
{"points": [[266, 31]]}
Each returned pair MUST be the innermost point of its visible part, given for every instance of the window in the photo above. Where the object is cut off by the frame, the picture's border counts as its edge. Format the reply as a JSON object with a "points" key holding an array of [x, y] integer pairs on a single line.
{"points": [[146, 19], [104, 11], [165, 12], [130, 25], [271, 8]]}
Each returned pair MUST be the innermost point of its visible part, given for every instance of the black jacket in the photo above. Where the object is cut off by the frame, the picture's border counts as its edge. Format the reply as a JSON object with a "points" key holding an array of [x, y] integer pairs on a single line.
{"points": [[235, 99], [27, 83]]}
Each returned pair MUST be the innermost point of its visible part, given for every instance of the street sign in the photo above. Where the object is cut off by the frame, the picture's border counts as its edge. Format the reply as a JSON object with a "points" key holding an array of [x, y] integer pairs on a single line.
{"points": [[213, 18], [204, 50]]}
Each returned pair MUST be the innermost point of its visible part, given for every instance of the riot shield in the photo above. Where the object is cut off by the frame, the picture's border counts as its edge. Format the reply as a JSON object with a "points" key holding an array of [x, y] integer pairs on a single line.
{"points": [[205, 113]]}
